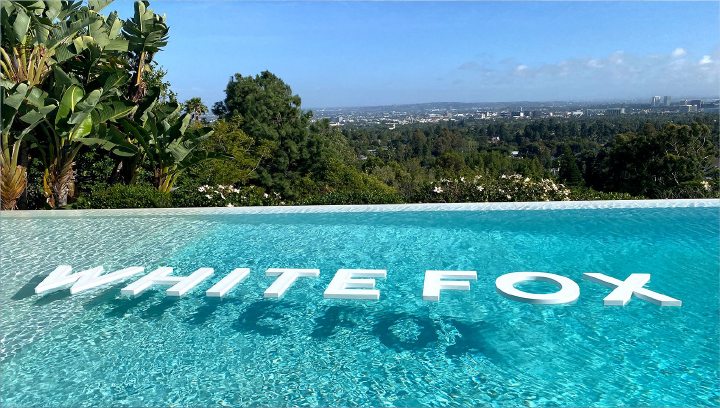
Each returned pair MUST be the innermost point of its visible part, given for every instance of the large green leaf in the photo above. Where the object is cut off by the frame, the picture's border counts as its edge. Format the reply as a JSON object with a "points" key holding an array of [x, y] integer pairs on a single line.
{"points": [[70, 99], [82, 129], [97, 5], [85, 107], [114, 110], [21, 25]]}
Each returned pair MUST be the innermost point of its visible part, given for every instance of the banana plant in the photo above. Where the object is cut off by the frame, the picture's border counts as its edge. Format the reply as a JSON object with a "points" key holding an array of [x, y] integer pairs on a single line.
{"points": [[167, 141], [147, 33], [23, 108], [36, 35], [77, 122]]}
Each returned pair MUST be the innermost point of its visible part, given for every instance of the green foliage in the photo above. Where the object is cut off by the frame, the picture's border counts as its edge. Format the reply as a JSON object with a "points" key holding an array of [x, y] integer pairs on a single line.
{"points": [[84, 105], [195, 108], [168, 142], [352, 197], [481, 188], [665, 163], [569, 171], [123, 196], [224, 196], [270, 114], [588, 194], [242, 156]]}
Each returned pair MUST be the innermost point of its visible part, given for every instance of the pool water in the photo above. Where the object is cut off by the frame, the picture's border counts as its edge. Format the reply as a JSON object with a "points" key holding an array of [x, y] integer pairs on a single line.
{"points": [[99, 349]]}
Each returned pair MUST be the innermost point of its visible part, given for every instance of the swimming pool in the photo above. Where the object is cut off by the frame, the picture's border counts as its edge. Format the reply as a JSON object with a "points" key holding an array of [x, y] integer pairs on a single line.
{"points": [[98, 348]]}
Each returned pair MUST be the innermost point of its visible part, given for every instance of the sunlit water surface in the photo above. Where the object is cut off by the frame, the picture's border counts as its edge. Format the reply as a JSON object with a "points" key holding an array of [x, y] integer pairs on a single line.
{"points": [[99, 349]]}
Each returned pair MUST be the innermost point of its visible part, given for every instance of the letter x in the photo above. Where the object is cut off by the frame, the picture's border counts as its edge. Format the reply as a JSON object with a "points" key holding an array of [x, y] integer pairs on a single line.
{"points": [[633, 285]]}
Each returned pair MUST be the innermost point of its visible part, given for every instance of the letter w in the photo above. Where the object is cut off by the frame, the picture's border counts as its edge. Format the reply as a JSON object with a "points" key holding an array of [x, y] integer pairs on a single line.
{"points": [[63, 277]]}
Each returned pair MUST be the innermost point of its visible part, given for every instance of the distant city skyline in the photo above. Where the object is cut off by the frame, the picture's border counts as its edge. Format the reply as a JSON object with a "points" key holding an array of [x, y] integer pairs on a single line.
{"points": [[336, 54]]}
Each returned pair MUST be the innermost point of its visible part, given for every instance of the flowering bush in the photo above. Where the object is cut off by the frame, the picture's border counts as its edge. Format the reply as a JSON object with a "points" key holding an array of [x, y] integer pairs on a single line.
{"points": [[504, 188], [224, 196]]}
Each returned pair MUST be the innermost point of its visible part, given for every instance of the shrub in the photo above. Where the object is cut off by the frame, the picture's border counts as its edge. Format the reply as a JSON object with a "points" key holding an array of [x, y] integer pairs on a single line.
{"points": [[482, 188], [352, 197], [586, 194], [223, 196], [124, 196]]}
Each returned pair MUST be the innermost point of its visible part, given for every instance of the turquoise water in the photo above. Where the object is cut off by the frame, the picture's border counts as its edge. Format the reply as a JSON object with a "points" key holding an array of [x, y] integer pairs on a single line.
{"points": [[99, 349]]}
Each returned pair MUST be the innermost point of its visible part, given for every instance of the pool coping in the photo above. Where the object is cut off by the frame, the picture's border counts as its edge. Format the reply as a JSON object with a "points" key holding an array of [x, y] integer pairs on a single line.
{"points": [[374, 208]]}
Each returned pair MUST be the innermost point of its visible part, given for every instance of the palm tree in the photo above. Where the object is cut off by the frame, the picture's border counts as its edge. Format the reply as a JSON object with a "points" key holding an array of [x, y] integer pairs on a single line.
{"points": [[195, 108]]}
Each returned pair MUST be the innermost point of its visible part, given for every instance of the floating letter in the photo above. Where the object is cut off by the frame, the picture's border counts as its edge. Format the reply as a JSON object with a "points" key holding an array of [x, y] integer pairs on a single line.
{"points": [[286, 278], [344, 284], [62, 277], [568, 293], [435, 281], [179, 285], [221, 288], [624, 290]]}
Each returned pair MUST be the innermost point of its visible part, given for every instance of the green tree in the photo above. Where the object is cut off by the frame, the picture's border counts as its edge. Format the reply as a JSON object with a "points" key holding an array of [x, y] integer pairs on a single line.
{"points": [[244, 154], [168, 142], [658, 163], [271, 114], [196, 108], [569, 171]]}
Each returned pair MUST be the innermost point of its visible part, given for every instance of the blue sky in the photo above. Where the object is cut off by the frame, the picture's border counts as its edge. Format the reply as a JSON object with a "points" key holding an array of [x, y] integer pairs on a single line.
{"points": [[376, 53]]}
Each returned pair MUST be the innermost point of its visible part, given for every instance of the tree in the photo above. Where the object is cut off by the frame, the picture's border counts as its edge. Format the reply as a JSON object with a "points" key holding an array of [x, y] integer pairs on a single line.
{"points": [[195, 108], [270, 113], [31, 47], [168, 142], [147, 33], [569, 171], [26, 105], [229, 140], [658, 163]]}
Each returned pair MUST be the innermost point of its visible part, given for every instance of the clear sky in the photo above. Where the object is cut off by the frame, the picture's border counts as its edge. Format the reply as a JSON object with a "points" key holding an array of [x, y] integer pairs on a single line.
{"points": [[377, 53]]}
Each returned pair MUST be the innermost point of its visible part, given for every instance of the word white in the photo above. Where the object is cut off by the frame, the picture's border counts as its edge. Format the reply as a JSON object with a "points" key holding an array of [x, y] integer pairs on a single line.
{"points": [[354, 284]]}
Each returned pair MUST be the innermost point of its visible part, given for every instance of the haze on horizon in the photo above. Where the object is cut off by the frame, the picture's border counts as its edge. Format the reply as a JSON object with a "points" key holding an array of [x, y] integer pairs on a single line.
{"points": [[336, 54]]}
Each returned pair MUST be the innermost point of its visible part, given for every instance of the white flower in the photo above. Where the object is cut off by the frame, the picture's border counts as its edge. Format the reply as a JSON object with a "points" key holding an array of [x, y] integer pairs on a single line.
{"points": [[462, 179], [508, 196], [706, 185], [437, 190], [230, 205], [208, 196], [202, 189], [266, 195], [480, 188], [503, 176]]}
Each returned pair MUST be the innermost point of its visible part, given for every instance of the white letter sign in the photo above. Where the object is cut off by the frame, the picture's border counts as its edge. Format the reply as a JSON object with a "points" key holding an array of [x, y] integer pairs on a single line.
{"points": [[221, 288], [633, 285], [62, 277], [568, 293], [286, 278], [436, 281], [179, 285], [345, 284]]}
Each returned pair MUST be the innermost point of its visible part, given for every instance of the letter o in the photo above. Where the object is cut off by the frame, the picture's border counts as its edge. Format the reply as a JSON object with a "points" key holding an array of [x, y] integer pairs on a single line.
{"points": [[568, 293]]}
